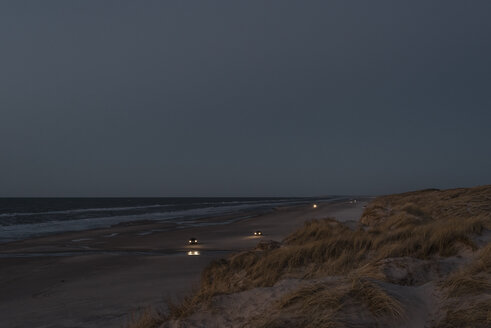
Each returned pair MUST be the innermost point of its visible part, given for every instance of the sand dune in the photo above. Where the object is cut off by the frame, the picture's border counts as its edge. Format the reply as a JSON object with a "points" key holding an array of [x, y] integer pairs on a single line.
{"points": [[420, 259], [99, 278]]}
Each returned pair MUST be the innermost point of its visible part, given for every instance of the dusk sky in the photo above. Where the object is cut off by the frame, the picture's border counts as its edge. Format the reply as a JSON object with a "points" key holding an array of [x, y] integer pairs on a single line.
{"points": [[243, 98]]}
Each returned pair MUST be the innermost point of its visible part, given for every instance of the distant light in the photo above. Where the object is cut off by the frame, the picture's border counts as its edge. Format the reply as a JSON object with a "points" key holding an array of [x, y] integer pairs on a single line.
{"points": [[193, 253], [258, 233], [314, 206]]}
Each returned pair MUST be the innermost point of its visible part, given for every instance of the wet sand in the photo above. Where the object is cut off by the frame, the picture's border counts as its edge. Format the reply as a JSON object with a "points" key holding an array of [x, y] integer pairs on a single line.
{"points": [[97, 278]]}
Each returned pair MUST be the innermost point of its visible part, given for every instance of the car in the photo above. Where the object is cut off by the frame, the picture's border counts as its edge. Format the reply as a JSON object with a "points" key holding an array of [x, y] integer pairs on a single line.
{"points": [[193, 253], [193, 241], [258, 233]]}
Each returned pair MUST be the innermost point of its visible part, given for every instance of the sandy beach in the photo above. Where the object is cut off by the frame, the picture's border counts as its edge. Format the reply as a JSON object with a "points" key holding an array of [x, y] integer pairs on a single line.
{"points": [[96, 278], [416, 259]]}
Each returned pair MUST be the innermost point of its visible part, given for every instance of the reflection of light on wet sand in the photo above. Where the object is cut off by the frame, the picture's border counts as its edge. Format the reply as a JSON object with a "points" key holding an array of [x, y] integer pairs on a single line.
{"points": [[193, 253]]}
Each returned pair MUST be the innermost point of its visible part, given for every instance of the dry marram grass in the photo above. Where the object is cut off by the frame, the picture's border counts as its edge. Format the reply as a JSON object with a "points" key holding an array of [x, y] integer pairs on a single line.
{"points": [[424, 225], [147, 318], [326, 304]]}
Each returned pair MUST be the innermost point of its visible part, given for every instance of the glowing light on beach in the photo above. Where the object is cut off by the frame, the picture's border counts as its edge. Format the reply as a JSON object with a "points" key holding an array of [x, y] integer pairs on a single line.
{"points": [[193, 253], [193, 241], [258, 233], [314, 206]]}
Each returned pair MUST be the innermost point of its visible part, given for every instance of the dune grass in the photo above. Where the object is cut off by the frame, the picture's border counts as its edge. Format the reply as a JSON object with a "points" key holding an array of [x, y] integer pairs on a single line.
{"points": [[147, 318], [335, 296], [322, 246], [326, 304], [425, 225], [474, 278], [430, 204], [326, 247], [473, 315], [468, 294]]}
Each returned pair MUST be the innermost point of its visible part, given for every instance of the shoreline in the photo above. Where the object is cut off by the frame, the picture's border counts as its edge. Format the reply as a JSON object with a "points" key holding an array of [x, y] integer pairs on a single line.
{"points": [[146, 227], [175, 216], [124, 270]]}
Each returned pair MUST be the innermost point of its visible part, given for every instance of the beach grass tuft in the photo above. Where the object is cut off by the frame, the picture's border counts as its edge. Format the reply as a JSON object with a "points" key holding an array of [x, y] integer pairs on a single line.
{"points": [[146, 318], [425, 226]]}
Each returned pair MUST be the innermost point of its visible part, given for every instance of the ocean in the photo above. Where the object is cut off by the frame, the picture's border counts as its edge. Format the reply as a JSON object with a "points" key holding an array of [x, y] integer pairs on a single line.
{"points": [[22, 218]]}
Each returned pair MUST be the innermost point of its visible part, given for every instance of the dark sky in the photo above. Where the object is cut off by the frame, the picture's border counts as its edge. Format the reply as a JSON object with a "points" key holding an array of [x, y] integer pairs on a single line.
{"points": [[243, 98]]}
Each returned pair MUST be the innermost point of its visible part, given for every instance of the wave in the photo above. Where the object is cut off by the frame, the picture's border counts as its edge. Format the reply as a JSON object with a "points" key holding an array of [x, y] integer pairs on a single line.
{"points": [[129, 208], [84, 210], [187, 217]]}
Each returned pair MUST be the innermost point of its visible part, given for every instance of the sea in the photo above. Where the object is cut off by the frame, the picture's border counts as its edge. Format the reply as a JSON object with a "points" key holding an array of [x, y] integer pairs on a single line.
{"points": [[22, 218]]}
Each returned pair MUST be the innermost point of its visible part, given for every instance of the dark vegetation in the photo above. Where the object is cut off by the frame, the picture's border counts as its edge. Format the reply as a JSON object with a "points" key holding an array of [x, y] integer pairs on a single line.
{"points": [[425, 226]]}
